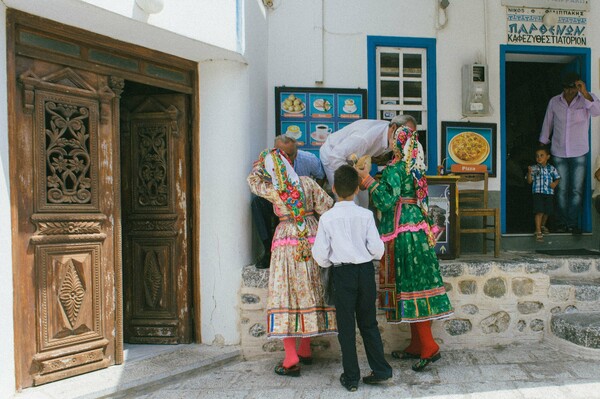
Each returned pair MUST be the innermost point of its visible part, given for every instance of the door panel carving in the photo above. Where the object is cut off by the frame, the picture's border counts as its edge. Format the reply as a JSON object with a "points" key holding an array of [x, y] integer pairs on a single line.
{"points": [[67, 139], [69, 279], [155, 255], [66, 222]]}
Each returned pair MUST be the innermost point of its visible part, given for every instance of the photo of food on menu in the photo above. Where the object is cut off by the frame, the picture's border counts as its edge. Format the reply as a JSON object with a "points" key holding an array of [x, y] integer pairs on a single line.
{"points": [[310, 115]]}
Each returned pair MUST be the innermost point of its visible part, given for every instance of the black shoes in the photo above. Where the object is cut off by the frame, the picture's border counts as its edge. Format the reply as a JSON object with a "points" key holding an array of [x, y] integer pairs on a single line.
{"points": [[423, 363], [305, 360], [575, 231], [293, 371], [351, 386], [404, 355], [373, 379]]}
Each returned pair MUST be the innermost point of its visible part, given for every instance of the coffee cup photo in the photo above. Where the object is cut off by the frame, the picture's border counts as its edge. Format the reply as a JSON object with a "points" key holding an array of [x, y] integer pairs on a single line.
{"points": [[349, 102], [321, 132]]}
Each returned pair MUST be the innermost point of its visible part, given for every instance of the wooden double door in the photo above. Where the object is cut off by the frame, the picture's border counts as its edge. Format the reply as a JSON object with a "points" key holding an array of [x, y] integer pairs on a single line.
{"points": [[100, 192]]}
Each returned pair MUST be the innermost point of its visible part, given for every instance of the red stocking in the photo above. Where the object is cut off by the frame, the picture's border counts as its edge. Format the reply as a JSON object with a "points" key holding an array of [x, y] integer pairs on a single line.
{"points": [[291, 357], [414, 347], [428, 346], [304, 349]]}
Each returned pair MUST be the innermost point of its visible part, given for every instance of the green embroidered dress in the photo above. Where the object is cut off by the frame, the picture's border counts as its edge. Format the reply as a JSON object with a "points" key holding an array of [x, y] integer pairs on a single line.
{"points": [[411, 287]]}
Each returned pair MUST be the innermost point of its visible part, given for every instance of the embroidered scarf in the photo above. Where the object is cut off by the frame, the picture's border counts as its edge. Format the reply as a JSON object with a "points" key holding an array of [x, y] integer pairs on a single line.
{"points": [[276, 165], [406, 147]]}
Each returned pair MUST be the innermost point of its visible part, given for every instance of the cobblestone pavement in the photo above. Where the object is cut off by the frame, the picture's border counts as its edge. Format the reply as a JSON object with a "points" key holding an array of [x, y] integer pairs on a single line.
{"points": [[503, 372]]}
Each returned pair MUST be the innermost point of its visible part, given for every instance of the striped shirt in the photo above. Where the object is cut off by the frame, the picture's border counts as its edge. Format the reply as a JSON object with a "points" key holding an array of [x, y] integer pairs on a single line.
{"points": [[307, 164], [542, 178]]}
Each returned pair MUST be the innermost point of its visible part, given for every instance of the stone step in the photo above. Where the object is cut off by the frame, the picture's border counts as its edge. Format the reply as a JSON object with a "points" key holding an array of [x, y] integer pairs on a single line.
{"points": [[154, 365], [582, 329], [586, 290]]}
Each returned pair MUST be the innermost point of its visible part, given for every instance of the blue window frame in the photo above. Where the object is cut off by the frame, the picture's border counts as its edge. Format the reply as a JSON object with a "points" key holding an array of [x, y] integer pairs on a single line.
{"points": [[409, 84]]}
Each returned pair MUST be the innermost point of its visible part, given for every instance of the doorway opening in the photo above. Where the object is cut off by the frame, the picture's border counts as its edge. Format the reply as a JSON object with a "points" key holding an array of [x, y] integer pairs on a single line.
{"points": [[156, 215], [532, 77], [529, 87]]}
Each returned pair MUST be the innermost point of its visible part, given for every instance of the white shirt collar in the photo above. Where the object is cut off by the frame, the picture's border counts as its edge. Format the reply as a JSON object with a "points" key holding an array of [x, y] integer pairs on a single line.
{"points": [[345, 203]]}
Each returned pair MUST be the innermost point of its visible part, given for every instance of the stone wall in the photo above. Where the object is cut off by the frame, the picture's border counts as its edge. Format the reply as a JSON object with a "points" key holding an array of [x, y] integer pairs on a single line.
{"points": [[498, 301]]}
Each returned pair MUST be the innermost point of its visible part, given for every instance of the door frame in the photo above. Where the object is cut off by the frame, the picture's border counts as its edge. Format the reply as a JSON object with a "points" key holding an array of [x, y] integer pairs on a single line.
{"points": [[583, 52], [129, 62]]}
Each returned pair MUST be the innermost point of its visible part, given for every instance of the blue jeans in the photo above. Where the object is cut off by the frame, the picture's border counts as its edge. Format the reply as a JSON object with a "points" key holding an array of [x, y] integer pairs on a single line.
{"points": [[569, 192]]}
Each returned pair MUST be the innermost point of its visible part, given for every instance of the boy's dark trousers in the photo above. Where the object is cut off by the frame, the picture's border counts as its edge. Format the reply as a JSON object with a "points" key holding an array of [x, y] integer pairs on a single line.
{"points": [[354, 294]]}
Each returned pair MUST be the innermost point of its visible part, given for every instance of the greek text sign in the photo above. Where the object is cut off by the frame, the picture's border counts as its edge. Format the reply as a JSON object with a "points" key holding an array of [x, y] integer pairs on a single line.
{"points": [[581, 5], [526, 26]]}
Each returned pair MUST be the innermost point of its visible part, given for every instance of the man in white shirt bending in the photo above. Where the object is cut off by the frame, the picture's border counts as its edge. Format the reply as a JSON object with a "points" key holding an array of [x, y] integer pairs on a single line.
{"points": [[363, 137]]}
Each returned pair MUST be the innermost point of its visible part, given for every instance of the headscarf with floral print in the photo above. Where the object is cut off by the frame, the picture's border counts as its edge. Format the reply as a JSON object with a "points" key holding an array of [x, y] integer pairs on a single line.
{"points": [[406, 147], [276, 165]]}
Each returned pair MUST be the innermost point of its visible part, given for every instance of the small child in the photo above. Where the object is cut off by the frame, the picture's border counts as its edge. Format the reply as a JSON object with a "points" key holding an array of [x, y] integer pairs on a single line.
{"points": [[347, 238], [544, 179]]}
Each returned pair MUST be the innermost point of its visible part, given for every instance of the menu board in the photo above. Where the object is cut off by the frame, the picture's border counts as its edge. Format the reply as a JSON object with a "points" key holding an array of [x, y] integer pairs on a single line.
{"points": [[309, 115]]}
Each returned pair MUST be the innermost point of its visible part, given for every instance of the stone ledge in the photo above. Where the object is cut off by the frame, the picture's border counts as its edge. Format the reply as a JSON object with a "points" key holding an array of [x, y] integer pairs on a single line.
{"points": [[585, 290], [582, 329], [570, 348], [504, 300], [253, 277]]}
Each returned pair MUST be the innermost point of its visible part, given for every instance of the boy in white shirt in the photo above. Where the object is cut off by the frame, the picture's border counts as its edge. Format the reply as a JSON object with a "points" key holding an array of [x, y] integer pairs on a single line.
{"points": [[347, 238]]}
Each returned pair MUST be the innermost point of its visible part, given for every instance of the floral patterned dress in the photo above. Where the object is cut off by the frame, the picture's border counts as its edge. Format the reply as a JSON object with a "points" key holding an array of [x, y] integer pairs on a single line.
{"points": [[295, 304], [411, 286]]}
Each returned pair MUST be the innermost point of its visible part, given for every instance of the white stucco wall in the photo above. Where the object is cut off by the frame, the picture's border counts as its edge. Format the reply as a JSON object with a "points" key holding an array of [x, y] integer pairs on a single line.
{"points": [[347, 23], [7, 375], [134, 27], [210, 21], [232, 133]]}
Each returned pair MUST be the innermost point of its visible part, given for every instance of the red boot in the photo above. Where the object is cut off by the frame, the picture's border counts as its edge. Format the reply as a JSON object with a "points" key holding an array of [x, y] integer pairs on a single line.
{"points": [[413, 350], [430, 350], [289, 366], [304, 352]]}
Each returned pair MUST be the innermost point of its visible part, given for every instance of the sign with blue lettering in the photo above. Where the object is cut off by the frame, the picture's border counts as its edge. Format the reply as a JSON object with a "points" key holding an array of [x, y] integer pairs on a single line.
{"points": [[581, 5], [546, 27]]}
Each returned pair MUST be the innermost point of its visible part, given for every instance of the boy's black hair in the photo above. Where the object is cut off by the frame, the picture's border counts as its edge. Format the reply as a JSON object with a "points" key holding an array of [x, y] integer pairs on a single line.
{"points": [[345, 181], [543, 147]]}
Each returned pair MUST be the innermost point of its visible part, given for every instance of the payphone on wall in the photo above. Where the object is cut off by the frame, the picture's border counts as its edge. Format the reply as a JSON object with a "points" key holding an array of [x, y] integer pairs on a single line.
{"points": [[475, 90]]}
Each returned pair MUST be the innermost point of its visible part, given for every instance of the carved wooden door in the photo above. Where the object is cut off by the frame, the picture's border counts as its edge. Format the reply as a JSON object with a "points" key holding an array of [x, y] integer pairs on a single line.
{"points": [[66, 307], [154, 152]]}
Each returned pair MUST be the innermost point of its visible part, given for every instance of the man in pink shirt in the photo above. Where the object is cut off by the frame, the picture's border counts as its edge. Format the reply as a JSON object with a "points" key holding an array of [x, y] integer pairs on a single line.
{"points": [[566, 126]]}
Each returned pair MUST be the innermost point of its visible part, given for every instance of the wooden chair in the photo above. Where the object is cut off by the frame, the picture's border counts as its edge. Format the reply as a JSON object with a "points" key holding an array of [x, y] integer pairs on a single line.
{"points": [[473, 202]]}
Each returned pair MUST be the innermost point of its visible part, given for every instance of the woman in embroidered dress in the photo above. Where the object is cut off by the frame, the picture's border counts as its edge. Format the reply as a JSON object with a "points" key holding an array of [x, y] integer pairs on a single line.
{"points": [[295, 305], [411, 287]]}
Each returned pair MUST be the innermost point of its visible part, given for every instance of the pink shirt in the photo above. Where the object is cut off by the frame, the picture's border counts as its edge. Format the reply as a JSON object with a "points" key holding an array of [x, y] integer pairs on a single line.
{"points": [[569, 125]]}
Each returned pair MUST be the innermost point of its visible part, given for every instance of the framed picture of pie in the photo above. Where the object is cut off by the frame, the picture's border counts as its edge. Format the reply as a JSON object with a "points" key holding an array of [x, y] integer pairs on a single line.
{"points": [[467, 143]]}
